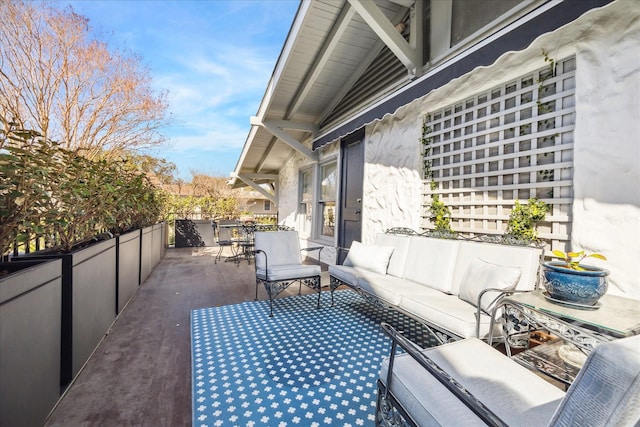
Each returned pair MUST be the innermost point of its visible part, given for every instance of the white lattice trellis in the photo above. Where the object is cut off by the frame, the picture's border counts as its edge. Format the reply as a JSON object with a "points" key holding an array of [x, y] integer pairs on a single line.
{"points": [[513, 142]]}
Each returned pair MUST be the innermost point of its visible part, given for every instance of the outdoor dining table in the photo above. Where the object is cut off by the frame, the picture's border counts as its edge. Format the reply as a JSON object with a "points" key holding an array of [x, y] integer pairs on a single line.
{"points": [[242, 235]]}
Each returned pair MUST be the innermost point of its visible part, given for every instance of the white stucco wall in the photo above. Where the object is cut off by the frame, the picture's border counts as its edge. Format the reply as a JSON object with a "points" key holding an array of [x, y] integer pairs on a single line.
{"points": [[287, 202], [392, 191], [606, 210], [606, 207]]}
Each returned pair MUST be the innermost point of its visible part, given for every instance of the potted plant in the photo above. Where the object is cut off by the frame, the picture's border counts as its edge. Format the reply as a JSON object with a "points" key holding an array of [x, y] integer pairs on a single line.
{"points": [[568, 280], [30, 291], [25, 167]]}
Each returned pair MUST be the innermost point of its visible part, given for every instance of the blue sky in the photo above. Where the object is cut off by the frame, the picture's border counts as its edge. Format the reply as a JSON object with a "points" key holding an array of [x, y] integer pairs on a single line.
{"points": [[215, 57]]}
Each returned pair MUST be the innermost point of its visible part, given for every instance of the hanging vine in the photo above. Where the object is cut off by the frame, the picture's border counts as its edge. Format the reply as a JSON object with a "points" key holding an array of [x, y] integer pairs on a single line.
{"points": [[544, 108], [426, 148], [543, 76], [440, 213]]}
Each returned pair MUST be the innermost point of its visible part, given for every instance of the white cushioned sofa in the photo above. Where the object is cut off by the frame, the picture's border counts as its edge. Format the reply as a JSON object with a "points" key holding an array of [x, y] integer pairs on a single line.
{"points": [[442, 283]]}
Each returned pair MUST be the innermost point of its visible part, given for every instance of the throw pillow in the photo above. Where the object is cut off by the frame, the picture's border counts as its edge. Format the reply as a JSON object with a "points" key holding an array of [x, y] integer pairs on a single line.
{"points": [[370, 257], [481, 275]]}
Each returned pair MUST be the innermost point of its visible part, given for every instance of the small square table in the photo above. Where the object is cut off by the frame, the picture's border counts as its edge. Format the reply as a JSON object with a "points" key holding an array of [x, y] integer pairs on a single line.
{"points": [[613, 317]]}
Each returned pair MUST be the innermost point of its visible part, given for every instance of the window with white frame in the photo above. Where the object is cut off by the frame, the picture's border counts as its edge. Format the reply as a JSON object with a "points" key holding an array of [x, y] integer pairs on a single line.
{"points": [[327, 199], [305, 208], [469, 16], [513, 142], [451, 26]]}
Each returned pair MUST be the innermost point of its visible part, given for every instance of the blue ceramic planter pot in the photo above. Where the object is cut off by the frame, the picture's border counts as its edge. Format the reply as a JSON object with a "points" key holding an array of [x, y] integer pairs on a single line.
{"points": [[578, 287]]}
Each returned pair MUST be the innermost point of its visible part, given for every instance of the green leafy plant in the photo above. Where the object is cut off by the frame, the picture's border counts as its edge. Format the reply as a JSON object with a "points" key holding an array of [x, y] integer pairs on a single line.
{"points": [[524, 219], [574, 264], [542, 78], [25, 170], [425, 140], [440, 213], [69, 199]]}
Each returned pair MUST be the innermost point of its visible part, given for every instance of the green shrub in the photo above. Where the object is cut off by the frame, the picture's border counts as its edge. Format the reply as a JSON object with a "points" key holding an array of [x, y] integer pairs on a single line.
{"points": [[524, 219], [440, 213], [61, 194]]}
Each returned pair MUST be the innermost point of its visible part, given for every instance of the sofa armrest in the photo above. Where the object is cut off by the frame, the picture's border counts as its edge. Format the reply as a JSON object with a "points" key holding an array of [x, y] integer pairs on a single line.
{"points": [[438, 373], [491, 308]]}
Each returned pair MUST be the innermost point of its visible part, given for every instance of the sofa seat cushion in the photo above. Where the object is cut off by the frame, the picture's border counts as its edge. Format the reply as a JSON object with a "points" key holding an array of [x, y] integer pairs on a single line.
{"points": [[369, 257], [448, 312], [487, 375], [292, 271], [391, 288], [346, 274]]}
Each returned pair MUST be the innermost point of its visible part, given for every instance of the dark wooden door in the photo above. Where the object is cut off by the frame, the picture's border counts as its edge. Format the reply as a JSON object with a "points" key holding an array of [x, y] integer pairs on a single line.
{"points": [[351, 176]]}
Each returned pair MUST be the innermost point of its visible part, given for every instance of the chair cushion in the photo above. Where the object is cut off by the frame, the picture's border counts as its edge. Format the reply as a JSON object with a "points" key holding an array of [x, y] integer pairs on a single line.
{"points": [[606, 392], [482, 275], [281, 247], [370, 257], [288, 272], [514, 393]]}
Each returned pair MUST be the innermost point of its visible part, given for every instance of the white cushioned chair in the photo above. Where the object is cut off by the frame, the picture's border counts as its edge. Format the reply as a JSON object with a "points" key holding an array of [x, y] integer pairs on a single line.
{"points": [[470, 383], [278, 264]]}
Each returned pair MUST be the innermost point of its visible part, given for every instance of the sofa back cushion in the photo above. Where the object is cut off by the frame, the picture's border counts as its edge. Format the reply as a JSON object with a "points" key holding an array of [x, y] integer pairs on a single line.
{"points": [[400, 246], [481, 275], [370, 257], [431, 262], [524, 257]]}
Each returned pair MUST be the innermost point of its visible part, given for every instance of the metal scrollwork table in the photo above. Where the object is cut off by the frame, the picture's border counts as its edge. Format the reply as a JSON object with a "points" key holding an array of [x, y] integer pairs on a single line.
{"points": [[615, 317]]}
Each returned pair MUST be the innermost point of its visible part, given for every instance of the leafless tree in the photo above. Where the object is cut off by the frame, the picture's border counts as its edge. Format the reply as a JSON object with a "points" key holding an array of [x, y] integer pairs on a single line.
{"points": [[212, 186], [57, 80]]}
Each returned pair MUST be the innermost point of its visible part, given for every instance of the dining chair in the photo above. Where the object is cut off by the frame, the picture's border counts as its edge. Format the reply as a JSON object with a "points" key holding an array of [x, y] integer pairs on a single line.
{"points": [[224, 237]]}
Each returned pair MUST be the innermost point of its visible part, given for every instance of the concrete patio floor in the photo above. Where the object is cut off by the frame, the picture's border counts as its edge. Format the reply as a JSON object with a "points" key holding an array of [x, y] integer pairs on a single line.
{"points": [[140, 374]]}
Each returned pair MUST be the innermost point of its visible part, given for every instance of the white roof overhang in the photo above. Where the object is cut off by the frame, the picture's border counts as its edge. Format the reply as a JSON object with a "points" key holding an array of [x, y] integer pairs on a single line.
{"points": [[330, 44]]}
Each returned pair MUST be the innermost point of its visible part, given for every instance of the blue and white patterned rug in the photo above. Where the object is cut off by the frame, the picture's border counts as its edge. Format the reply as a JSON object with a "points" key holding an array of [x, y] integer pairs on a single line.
{"points": [[302, 367]]}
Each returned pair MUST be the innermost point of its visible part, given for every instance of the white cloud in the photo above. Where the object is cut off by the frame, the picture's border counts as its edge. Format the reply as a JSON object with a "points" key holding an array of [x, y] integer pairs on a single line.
{"points": [[217, 135]]}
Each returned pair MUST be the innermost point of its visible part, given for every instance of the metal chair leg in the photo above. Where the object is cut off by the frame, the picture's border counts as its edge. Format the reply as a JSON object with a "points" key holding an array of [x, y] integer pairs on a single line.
{"points": [[270, 293]]}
